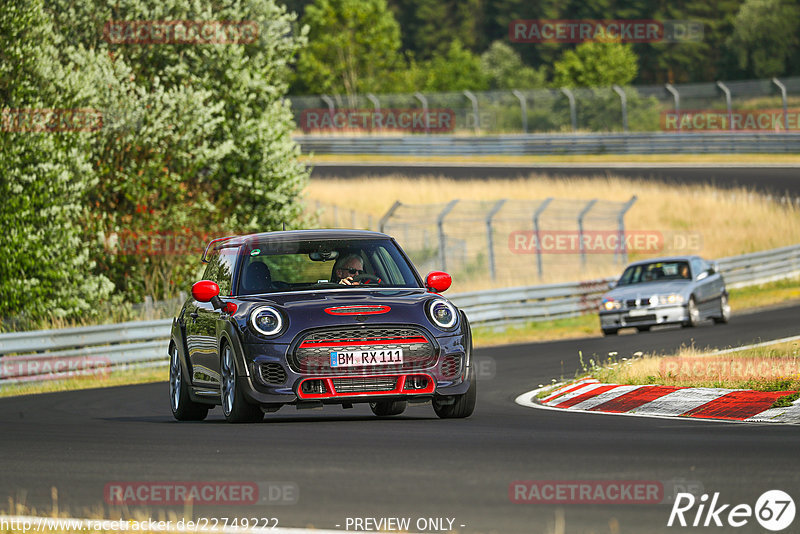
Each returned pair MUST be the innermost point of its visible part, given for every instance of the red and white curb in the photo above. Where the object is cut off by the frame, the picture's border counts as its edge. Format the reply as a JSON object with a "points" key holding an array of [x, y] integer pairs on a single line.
{"points": [[591, 396]]}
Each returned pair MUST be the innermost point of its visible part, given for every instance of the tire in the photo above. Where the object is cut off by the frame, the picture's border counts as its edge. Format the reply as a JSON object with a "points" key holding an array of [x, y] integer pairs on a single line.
{"points": [[234, 405], [609, 331], [643, 328], [464, 404], [183, 407], [693, 312], [724, 310], [385, 408]]}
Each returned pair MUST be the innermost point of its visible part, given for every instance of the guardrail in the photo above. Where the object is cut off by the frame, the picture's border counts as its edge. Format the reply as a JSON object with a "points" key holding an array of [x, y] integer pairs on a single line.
{"points": [[550, 144], [54, 354]]}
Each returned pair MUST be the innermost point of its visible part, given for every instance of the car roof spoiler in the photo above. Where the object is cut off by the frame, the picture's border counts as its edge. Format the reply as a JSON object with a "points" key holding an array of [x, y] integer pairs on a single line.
{"points": [[204, 259]]}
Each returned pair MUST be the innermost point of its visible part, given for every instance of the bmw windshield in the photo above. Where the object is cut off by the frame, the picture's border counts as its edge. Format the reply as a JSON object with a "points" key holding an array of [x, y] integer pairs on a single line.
{"points": [[655, 272]]}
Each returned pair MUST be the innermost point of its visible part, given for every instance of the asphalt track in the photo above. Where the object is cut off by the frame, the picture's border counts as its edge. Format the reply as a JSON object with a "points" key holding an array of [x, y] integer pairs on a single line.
{"points": [[773, 179], [352, 464]]}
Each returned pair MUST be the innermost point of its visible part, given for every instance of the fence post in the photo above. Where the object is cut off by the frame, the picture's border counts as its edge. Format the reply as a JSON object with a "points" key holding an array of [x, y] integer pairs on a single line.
{"points": [[442, 237], [523, 105], [489, 238], [331, 106], [424, 101], [377, 105], [474, 101], [622, 248], [782, 88], [388, 215], [573, 114], [727, 92], [581, 215], [536, 215], [676, 97], [624, 101]]}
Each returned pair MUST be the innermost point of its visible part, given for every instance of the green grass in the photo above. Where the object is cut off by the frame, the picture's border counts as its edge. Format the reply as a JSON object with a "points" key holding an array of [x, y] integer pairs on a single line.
{"points": [[115, 378]]}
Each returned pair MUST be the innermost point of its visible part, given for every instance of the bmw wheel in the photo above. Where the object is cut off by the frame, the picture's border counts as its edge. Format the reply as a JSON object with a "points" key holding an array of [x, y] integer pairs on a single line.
{"points": [[693, 312], [724, 310], [234, 405], [183, 408]]}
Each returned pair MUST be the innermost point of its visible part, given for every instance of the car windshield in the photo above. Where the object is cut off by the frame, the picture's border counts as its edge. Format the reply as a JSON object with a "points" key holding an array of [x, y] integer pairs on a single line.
{"points": [[655, 272], [310, 265]]}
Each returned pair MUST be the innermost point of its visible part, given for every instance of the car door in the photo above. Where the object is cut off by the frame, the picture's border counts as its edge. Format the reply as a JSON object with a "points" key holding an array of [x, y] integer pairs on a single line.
{"points": [[704, 290], [203, 343]]}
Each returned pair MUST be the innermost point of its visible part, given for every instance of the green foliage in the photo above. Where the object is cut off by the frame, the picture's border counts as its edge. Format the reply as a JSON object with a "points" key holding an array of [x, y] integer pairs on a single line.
{"points": [[457, 70], [354, 48], [596, 64], [196, 139], [764, 36], [505, 69], [45, 268]]}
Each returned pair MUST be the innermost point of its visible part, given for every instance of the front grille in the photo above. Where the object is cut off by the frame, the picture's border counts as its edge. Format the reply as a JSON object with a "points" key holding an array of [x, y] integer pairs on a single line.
{"points": [[640, 319], [272, 373], [359, 384], [631, 303], [451, 366], [312, 350]]}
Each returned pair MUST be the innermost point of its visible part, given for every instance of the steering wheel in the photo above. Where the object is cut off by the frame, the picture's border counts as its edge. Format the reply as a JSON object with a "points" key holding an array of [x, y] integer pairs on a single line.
{"points": [[367, 279]]}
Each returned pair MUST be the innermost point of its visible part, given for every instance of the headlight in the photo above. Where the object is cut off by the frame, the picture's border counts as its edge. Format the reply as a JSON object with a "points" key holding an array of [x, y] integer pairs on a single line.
{"points": [[610, 304], [674, 298], [442, 313], [653, 300], [266, 320]]}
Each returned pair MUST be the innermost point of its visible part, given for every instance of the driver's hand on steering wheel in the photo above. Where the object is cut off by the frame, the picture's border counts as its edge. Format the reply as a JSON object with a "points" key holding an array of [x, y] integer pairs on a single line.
{"points": [[349, 281]]}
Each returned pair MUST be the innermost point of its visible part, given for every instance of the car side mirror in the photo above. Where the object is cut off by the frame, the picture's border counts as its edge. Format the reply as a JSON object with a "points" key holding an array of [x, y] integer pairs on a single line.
{"points": [[207, 291], [612, 285], [438, 281], [712, 268]]}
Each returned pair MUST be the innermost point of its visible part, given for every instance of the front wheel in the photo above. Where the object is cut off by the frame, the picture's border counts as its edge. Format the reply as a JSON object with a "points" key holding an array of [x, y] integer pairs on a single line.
{"points": [[724, 310], [234, 405], [183, 408], [461, 405], [693, 312], [385, 408]]}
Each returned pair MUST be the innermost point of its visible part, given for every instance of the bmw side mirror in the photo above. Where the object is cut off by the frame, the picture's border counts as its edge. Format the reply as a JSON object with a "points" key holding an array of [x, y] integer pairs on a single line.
{"points": [[612, 285], [438, 281]]}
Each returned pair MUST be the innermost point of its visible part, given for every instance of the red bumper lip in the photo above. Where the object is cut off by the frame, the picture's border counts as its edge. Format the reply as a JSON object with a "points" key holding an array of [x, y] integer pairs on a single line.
{"points": [[400, 387]]}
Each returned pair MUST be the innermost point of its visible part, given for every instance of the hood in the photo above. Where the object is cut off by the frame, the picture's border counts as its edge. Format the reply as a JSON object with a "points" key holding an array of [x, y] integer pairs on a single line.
{"points": [[648, 289]]}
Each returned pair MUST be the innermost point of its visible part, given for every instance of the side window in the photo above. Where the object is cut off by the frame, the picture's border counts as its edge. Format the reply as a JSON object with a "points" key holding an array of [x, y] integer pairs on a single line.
{"points": [[220, 269]]}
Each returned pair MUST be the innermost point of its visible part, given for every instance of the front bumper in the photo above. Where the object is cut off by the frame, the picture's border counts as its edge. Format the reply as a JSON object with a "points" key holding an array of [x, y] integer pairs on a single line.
{"points": [[440, 378], [644, 316]]}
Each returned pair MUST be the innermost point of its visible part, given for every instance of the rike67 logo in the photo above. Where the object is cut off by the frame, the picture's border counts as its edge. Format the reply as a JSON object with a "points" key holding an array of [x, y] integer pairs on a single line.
{"points": [[774, 510]]}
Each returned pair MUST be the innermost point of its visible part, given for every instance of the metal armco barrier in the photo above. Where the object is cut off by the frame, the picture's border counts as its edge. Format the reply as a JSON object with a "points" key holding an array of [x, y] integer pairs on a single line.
{"points": [[553, 144], [53, 354]]}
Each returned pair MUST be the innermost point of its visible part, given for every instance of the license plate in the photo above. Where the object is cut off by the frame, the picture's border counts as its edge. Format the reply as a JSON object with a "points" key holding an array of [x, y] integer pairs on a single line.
{"points": [[638, 313], [360, 358]]}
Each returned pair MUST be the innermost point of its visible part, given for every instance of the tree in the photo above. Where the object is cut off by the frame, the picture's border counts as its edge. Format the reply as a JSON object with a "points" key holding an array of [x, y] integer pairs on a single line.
{"points": [[46, 270], [505, 69], [457, 70], [354, 48], [764, 36], [596, 64]]}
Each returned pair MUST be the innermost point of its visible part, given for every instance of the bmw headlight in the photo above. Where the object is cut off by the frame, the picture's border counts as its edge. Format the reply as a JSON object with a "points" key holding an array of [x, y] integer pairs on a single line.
{"points": [[266, 320], [673, 298], [609, 304], [442, 313]]}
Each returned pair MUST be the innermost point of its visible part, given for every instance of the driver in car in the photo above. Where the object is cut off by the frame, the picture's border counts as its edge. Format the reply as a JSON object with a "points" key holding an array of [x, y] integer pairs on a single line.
{"points": [[346, 268]]}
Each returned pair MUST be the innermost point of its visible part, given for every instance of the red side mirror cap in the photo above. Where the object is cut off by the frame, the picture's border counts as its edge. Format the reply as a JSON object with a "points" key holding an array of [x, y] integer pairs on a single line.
{"points": [[438, 281], [205, 290]]}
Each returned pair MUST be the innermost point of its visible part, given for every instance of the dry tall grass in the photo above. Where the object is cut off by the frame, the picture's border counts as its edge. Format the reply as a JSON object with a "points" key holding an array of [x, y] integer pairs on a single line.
{"points": [[729, 222]]}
